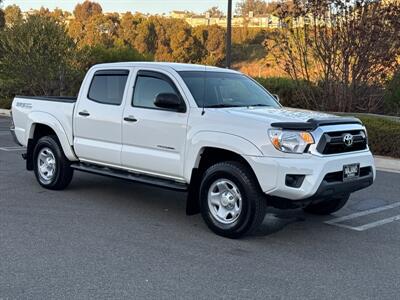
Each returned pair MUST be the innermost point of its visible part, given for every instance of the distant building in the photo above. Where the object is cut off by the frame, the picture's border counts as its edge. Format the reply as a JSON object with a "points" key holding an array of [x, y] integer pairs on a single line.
{"points": [[264, 21], [179, 14]]}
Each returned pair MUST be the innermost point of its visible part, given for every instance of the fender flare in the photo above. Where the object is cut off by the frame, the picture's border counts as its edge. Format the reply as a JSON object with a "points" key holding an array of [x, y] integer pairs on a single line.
{"points": [[50, 121], [204, 139]]}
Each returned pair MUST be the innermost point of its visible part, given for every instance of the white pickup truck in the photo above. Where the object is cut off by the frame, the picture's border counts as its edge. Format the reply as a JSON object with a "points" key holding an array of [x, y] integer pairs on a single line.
{"points": [[212, 132]]}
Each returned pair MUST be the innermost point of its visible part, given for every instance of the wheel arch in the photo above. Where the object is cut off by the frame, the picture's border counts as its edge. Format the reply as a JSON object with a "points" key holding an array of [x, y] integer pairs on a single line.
{"points": [[207, 157], [43, 124], [204, 140]]}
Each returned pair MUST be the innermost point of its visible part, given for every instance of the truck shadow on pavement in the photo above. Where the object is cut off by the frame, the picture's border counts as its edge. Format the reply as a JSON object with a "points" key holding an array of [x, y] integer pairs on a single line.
{"points": [[276, 220], [155, 201]]}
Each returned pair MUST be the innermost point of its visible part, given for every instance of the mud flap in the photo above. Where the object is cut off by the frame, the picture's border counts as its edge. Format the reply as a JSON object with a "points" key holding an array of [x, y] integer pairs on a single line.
{"points": [[192, 200]]}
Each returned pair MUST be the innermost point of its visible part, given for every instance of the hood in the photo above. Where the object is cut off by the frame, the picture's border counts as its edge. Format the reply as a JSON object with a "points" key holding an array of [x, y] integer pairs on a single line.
{"points": [[271, 115]]}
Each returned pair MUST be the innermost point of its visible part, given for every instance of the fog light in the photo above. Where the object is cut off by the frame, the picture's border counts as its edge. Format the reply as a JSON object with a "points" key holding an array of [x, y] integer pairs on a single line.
{"points": [[294, 181]]}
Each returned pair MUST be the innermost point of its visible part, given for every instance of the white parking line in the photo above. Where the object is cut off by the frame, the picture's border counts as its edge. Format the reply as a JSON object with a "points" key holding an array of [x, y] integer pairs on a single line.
{"points": [[15, 148], [378, 223], [337, 221]]}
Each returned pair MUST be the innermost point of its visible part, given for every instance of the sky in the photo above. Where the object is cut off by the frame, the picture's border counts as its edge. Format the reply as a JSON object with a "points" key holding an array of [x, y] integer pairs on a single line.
{"points": [[145, 6]]}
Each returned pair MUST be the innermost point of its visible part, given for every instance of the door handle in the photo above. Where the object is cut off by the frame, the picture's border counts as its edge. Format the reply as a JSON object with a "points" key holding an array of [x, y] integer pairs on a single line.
{"points": [[84, 113], [130, 119]]}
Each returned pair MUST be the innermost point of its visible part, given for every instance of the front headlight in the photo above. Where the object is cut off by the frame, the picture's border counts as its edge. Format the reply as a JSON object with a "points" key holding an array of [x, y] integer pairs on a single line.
{"points": [[290, 141]]}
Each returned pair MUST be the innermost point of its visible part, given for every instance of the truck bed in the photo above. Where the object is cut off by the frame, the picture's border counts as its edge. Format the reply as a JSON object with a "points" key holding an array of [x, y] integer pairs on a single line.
{"points": [[56, 111], [67, 99]]}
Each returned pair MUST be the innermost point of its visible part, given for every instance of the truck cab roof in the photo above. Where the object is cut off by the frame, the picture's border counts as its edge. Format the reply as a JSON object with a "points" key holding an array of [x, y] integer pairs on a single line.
{"points": [[165, 65]]}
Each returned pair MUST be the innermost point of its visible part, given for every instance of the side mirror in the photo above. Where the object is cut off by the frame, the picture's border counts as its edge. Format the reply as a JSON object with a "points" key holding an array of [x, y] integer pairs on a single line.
{"points": [[277, 97], [168, 101]]}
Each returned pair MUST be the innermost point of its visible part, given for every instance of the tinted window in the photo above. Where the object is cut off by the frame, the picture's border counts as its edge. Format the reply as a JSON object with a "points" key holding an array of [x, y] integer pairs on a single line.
{"points": [[222, 89], [147, 88], [108, 87]]}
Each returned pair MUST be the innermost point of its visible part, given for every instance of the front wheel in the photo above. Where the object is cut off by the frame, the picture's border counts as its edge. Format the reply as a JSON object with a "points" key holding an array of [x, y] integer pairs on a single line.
{"points": [[52, 168], [327, 206], [231, 201]]}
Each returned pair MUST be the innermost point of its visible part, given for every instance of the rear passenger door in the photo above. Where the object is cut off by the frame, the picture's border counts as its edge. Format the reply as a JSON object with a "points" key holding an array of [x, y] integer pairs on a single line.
{"points": [[154, 138], [98, 117]]}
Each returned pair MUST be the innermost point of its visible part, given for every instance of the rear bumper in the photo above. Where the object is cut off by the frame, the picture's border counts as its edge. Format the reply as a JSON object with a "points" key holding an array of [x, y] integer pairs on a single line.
{"points": [[14, 136], [271, 173]]}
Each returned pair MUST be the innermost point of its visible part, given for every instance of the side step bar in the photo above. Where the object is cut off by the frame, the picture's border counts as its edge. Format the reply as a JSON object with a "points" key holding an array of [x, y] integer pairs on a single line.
{"points": [[122, 174]]}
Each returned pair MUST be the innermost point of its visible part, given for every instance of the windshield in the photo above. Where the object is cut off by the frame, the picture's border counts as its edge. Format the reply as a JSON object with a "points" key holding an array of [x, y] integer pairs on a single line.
{"points": [[223, 89]]}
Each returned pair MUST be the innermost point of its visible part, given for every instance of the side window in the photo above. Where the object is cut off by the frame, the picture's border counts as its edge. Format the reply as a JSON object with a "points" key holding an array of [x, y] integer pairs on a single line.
{"points": [[148, 85], [108, 87]]}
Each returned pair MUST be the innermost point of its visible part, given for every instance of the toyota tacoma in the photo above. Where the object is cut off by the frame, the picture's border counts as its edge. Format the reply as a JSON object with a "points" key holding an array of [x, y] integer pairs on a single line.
{"points": [[214, 133]]}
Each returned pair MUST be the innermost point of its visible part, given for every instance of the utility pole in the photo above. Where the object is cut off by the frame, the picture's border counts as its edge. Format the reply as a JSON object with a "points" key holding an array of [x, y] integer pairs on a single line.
{"points": [[229, 35]]}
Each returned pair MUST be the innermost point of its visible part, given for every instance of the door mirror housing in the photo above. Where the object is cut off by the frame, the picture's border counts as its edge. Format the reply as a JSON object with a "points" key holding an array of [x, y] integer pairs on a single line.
{"points": [[169, 101], [276, 96]]}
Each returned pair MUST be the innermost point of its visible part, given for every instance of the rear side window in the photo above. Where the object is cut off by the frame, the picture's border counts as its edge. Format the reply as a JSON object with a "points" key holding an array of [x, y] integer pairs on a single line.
{"points": [[108, 87]]}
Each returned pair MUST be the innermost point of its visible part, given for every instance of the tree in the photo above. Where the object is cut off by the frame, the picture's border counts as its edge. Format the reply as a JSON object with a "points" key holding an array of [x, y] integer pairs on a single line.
{"points": [[36, 57], [348, 48], [60, 15], [76, 30], [88, 14], [87, 9], [261, 7], [2, 19], [13, 15], [127, 31], [215, 12], [244, 7], [212, 40], [100, 29], [184, 47], [90, 56], [146, 39], [392, 95], [57, 14]]}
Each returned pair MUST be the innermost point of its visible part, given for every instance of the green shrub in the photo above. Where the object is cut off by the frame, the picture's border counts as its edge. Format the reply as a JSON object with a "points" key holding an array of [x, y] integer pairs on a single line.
{"points": [[383, 135], [34, 57], [290, 92], [5, 103], [247, 52], [392, 96]]}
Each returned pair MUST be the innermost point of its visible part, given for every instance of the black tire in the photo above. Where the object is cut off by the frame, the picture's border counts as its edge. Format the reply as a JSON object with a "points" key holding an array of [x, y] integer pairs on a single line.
{"points": [[327, 206], [253, 201], [63, 172]]}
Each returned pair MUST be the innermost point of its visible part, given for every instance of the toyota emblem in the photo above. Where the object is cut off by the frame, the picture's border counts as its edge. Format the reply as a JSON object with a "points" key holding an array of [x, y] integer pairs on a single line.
{"points": [[348, 139]]}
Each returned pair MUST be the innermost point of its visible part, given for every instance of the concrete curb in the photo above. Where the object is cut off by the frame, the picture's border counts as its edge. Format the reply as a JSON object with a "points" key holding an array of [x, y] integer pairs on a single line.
{"points": [[5, 112], [387, 164]]}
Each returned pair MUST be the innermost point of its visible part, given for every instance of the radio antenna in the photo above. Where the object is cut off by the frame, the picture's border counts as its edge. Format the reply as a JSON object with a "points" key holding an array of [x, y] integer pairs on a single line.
{"points": [[203, 111]]}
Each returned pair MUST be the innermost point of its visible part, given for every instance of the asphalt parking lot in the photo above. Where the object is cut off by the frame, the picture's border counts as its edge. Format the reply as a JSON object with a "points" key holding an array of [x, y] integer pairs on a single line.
{"points": [[106, 238]]}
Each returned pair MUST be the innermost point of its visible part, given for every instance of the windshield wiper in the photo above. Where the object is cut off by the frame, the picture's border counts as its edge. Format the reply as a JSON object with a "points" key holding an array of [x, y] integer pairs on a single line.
{"points": [[255, 105], [221, 105], [230, 105]]}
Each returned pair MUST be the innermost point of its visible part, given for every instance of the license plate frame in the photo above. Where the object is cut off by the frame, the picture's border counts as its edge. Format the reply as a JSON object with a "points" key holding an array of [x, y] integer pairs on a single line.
{"points": [[351, 172]]}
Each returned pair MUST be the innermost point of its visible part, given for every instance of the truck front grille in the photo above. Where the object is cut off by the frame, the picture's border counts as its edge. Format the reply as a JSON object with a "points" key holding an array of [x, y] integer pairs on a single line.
{"points": [[338, 142]]}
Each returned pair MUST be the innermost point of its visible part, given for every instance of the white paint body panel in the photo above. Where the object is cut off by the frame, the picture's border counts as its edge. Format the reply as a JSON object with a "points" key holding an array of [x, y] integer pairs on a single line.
{"points": [[156, 142], [98, 137], [57, 116], [169, 144]]}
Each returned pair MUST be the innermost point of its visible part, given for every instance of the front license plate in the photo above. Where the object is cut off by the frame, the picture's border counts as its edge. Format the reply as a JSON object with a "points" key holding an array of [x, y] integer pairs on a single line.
{"points": [[351, 171]]}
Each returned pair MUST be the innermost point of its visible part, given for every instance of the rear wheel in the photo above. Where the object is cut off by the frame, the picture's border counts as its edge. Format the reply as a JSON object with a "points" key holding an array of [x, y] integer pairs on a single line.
{"points": [[51, 167], [327, 206], [231, 201]]}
